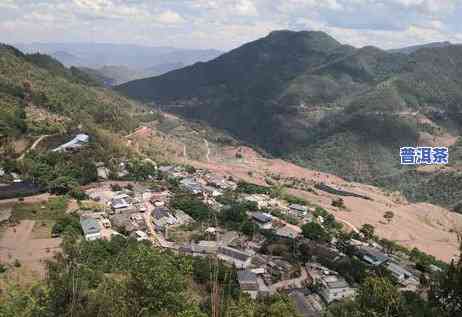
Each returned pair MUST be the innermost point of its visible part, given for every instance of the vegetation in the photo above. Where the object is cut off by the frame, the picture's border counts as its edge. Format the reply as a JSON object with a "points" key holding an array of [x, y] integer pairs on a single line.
{"points": [[316, 232], [192, 206], [368, 231], [249, 188], [389, 215], [59, 172], [339, 203], [89, 277], [68, 224], [359, 123], [38, 95], [141, 170], [53, 209], [379, 296]]}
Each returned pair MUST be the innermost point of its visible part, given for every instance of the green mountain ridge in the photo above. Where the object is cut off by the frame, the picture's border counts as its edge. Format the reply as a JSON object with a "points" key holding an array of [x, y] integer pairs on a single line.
{"points": [[306, 97]]}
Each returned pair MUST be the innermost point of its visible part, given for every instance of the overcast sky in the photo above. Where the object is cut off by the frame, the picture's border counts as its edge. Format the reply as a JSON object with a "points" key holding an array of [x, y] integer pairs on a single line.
{"points": [[225, 24]]}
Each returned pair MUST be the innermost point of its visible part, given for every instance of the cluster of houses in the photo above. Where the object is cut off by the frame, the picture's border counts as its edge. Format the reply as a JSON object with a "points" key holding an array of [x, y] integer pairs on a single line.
{"points": [[140, 212]]}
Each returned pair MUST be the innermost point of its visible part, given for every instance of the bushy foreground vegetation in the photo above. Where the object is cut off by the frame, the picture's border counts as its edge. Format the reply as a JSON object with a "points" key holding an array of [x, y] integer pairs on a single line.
{"points": [[126, 278]]}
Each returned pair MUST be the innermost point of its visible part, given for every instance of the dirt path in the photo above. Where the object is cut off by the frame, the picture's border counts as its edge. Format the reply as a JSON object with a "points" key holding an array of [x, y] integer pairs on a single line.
{"points": [[207, 155], [33, 146]]}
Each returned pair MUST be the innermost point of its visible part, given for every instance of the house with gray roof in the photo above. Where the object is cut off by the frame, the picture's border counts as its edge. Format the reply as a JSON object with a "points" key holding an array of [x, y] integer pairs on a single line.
{"points": [[299, 209], [248, 283], [398, 272], [241, 259], [263, 220], [372, 256], [91, 229]]}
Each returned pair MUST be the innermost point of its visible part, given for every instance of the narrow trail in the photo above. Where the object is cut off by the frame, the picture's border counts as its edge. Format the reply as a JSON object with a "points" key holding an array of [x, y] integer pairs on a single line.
{"points": [[208, 150], [349, 224], [33, 146]]}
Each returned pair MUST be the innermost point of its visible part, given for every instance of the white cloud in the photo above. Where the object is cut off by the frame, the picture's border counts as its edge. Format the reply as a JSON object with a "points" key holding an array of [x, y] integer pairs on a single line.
{"points": [[225, 24], [246, 8], [170, 17]]}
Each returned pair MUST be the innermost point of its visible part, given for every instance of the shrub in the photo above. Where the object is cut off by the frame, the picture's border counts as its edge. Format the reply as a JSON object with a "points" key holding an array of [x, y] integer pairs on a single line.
{"points": [[339, 203]]}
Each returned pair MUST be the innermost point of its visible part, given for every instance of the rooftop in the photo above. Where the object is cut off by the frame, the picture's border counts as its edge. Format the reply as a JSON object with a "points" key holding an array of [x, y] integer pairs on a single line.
{"points": [[297, 207], [77, 141], [397, 269], [160, 212], [89, 226], [246, 277], [235, 253], [262, 217], [374, 254]]}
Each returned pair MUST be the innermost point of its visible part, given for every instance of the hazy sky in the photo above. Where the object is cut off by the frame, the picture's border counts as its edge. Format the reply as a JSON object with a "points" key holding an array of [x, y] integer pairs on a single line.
{"points": [[225, 24]]}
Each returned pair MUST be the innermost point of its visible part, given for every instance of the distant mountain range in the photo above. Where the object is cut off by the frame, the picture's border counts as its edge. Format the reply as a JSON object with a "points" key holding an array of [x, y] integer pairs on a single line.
{"points": [[120, 62], [306, 97], [116, 75], [412, 49]]}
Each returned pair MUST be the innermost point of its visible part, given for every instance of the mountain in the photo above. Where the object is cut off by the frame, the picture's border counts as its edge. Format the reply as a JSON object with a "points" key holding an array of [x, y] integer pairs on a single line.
{"points": [[306, 97], [412, 49], [44, 104], [112, 75], [115, 64], [66, 58], [96, 55], [40, 96]]}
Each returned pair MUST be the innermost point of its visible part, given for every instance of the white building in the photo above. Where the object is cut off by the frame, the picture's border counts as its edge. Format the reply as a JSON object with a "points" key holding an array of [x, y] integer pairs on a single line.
{"points": [[334, 287], [76, 143], [331, 286]]}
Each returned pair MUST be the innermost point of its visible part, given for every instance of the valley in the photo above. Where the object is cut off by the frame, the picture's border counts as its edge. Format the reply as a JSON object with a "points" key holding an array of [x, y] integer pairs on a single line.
{"points": [[263, 182]]}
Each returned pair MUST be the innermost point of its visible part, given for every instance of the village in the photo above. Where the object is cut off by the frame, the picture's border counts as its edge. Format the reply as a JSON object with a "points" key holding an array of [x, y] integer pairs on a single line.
{"points": [[136, 211], [277, 243]]}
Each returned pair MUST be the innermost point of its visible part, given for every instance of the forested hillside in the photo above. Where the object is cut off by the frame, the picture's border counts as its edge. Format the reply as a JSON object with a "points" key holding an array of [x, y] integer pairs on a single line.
{"points": [[304, 96], [40, 98]]}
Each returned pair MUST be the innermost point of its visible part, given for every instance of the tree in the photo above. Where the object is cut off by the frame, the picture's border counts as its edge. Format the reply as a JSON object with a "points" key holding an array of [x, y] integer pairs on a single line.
{"points": [[316, 232], [62, 185], [368, 231], [249, 229], [339, 203], [375, 297], [446, 290], [388, 216]]}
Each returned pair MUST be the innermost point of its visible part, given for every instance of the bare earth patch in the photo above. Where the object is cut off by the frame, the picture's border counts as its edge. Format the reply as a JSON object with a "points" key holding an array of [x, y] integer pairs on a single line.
{"points": [[427, 227], [17, 243]]}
